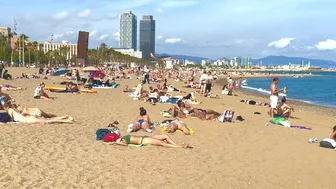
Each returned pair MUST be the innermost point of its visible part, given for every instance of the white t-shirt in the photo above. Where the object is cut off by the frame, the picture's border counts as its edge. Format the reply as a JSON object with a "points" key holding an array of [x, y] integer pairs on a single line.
{"points": [[38, 91], [204, 77], [164, 99]]}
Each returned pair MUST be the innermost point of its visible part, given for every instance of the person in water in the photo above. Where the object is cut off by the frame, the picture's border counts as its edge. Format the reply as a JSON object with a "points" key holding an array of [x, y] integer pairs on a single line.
{"points": [[157, 140], [142, 121]]}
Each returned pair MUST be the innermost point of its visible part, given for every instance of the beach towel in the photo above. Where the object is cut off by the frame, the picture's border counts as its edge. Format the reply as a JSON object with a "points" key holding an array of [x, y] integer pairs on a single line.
{"points": [[164, 129], [328, 143]]}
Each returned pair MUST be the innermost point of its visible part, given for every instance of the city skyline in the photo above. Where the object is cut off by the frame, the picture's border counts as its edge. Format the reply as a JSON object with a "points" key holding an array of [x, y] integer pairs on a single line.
{"points": [[255, 28], [147, 36]]}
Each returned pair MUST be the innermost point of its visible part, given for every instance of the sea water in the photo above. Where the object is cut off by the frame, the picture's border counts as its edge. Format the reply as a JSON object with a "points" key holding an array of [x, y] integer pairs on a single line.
{"points": [[319, 90]]}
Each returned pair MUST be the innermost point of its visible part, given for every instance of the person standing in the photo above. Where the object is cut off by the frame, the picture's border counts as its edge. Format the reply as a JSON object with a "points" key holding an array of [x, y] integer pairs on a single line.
{"points": [[274, 95], [1, 68], [146, 70], [202, 82], [209, 83]]}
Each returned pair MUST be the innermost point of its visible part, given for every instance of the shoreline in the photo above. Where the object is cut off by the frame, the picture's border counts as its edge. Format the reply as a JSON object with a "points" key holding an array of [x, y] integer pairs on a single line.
{"points": [[298, 105]]}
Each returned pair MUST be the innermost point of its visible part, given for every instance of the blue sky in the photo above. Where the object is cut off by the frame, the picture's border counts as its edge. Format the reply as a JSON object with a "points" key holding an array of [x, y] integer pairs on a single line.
{"points": [[207, 28]]}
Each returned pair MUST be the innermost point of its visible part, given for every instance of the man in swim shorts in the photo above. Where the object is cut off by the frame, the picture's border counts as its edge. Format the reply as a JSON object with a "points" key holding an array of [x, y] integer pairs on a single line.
{"points": [[274, 96]]}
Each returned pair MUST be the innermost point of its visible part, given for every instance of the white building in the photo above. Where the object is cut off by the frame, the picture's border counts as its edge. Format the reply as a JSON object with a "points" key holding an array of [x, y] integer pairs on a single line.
{"points": [[6, 32], [131, 52], [188, 62], [128, 31], [47, 46]]}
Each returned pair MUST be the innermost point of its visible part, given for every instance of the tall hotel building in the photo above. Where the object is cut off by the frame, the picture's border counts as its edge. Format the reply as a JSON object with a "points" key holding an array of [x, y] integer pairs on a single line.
{"points": [[147, 37], [128, 31]]}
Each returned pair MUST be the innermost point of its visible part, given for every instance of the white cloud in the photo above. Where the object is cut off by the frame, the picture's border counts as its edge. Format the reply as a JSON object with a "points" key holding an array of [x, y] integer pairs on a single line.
{"points": [[93, 33], [69, 32], [179, 3], [327, 45], [103, 37], [159, 37], [112, 16], [310, 48], [61, 15], [84, 14], [159, 10], [239, 41], [57, 36], [116, 36], [173, 40], [281, 43]]}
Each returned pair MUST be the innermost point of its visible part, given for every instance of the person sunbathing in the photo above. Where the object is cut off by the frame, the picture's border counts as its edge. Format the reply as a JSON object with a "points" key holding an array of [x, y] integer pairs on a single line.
{"points": [[252, 102], [142, 121], [177, 125], [5, 98], [32, 111], [202, 114], [16, 116], [7, 87], [284, 110], [157, 140]]}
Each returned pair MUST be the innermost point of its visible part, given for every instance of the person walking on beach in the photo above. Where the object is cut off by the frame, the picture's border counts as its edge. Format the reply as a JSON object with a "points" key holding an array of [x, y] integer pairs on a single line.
{"points": [[274, 95]]}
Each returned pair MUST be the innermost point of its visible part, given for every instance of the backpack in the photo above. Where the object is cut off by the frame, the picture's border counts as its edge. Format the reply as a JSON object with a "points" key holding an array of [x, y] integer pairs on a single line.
{"points": [[100, 133], [227, 116]]}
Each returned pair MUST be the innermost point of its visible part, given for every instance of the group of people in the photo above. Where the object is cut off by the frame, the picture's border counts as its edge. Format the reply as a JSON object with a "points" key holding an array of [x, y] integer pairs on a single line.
{"points": [[282, 109]]}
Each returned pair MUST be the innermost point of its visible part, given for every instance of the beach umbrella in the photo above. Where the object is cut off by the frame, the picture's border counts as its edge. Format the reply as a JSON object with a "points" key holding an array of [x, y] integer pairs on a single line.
{"points": [[98, 74], [60, 71], [90, 69]]}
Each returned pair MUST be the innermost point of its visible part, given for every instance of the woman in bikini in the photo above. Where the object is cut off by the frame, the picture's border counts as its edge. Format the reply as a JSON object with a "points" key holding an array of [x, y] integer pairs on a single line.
{"points": [[157, 140], [207, 114], [142, 121], [16, 116]]}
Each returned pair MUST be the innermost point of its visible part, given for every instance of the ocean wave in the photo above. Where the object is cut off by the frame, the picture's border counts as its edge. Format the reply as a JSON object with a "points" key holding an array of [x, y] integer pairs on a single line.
{"points": [[260, 90]]}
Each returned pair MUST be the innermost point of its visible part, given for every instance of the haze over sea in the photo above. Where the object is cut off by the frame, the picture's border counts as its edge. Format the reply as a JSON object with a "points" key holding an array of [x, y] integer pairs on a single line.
{"points": [[317, 90]]}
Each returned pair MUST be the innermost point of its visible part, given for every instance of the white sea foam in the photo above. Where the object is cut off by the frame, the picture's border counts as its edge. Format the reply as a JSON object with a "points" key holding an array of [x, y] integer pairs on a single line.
{"points": [[260, 90]]}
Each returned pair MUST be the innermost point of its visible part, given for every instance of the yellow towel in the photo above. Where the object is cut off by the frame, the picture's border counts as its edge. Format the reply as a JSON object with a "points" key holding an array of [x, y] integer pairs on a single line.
{"points": [[190, 130]]}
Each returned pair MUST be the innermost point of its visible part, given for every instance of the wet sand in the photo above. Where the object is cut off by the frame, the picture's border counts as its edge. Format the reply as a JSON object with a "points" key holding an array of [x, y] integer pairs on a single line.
{"points": [[246, 154]]}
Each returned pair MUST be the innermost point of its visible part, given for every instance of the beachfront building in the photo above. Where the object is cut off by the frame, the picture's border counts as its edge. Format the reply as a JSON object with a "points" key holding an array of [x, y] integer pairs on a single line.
{"points": [[128, 31], [147, 37], [188, 62], [246, 62], [130, 52], [6, 32], [48, 46]]}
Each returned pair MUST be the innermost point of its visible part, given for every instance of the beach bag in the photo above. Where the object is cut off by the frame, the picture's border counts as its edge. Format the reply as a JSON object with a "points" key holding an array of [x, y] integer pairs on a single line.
{"points": [[227, 116], [4, 117], [111, 137], [100, 133], [328, 143]]}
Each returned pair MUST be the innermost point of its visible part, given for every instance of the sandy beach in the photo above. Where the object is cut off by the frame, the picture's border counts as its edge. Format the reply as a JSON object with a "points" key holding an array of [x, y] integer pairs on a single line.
{"points": [[248, 154]]}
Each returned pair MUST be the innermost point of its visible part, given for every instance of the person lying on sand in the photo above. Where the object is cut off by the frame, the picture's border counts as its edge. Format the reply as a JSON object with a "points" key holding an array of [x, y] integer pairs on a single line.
{"points": [[157, 140], [32, 111], [252, 102], [142, 121], [177, 125], [284, 110], [40, 93], [202, 114], [7, 87], [16, 116]]}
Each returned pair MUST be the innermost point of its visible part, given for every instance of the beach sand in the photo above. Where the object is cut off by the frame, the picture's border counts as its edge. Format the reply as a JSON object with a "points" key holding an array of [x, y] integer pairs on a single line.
{"points": [[248, 154]]}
